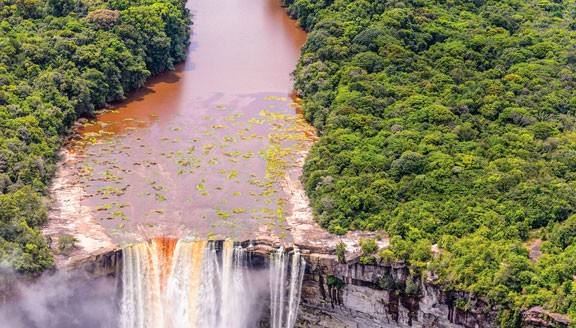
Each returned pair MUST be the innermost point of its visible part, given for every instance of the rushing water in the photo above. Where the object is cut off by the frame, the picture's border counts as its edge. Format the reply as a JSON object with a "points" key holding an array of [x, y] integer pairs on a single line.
{"points": [[196, 153], [192, 284]]}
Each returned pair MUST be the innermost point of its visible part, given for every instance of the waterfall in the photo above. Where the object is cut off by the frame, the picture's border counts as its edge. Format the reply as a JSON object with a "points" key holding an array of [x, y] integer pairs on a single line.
{"points": [[169, 283], [296, 276], [283, 313]]}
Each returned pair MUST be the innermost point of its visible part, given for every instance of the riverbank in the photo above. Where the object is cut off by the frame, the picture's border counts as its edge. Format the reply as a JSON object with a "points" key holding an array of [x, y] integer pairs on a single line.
{"points": [[68, 216], [307, 233], [60, 64]]}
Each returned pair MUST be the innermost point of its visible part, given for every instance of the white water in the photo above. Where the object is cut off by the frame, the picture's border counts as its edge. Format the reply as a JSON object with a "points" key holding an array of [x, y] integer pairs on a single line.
{"points": [[191, 284], [284, 312]]}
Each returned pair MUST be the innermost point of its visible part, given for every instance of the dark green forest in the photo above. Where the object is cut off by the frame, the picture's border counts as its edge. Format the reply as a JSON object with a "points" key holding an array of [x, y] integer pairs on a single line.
{"points": [[442, 122], [449, 122], [61, 60]]}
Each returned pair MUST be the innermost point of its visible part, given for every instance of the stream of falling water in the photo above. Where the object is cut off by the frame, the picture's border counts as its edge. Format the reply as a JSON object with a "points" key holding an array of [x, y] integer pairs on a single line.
{"points": [[169, 283]]}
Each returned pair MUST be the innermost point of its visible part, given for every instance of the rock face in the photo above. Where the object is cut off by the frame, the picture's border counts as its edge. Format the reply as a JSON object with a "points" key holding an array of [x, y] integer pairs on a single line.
{"points": [[99, 265], [356, 295], [338, 295], [539, 317]]}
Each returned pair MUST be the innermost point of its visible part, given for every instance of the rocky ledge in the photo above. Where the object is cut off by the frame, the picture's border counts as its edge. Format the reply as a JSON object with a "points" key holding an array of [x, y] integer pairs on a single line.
{"points": [[67, 216], [355, 295]]}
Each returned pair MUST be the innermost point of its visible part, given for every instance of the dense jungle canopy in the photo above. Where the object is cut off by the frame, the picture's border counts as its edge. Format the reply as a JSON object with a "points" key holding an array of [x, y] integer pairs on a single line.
{"points": [[449, 122], [61, 60], [442, 122]]}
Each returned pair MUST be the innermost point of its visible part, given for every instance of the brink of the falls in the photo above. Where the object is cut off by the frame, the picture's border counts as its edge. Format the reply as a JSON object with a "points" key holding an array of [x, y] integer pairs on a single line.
{"points": [[171, 283]]}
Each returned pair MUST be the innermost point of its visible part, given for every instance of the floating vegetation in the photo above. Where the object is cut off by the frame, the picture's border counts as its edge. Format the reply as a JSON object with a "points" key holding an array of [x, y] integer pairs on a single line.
{"points": [[245, 142], [159, 187], [222, 214], [104, 207], [232, 154], [275, 98], [256, 121], [232, 174], [230, 139]]}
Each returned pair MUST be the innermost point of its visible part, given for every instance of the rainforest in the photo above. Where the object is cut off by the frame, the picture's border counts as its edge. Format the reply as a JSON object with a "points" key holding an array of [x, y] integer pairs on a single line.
{"points": [[448, 123], [447, 126], [60, 61]]}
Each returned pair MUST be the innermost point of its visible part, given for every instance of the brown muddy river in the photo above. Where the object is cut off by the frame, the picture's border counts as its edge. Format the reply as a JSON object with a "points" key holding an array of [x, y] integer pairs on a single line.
{"points": [[199, 151]]}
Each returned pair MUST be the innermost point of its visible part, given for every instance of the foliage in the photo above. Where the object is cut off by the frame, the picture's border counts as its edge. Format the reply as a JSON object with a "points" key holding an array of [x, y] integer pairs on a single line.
{"points": [[369, 247], [335, 282], [66, 243], [341, 252], [448, 123], [412, 288], [387, 282], [60, 60]]}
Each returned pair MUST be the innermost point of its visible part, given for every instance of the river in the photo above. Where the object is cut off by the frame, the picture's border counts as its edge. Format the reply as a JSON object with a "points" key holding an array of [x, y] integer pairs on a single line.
{"points": [[198, 152], [201, 152]]}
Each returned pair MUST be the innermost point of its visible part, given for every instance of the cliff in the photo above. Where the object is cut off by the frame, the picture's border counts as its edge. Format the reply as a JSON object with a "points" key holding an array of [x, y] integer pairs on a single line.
{"points": [[357, 295]]}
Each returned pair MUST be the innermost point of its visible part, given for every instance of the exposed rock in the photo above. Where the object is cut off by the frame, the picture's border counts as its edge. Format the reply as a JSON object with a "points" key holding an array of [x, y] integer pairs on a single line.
{"points": [[306, 233], [99, 265], [539, 317], [68, 216], [534, 248], [356, 295]]}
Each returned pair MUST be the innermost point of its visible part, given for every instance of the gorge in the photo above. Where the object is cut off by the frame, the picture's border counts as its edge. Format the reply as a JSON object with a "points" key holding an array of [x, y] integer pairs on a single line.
{"points": [[182, 205]]}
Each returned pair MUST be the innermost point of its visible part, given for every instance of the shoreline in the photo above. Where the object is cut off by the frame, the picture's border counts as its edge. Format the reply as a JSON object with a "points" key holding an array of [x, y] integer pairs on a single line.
{"points": [[306, 232], [67, 215]]}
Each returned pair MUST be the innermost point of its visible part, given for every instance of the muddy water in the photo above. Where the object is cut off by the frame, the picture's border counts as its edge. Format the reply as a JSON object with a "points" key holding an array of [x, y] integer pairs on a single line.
{"points": [[199, 151]]}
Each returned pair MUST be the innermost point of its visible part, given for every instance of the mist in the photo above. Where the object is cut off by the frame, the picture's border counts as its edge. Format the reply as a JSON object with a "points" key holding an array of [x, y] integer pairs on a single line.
{"points": [[62, 300]]}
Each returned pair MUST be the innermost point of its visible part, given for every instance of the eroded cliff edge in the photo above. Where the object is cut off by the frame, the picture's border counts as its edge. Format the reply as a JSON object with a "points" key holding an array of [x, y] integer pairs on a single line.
{"points": [[351, 294]]}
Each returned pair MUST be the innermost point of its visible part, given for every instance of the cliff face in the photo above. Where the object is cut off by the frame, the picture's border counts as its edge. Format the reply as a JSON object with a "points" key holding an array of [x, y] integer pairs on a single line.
{"points": [[356, 295], [338, 295]]}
